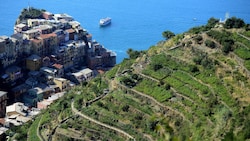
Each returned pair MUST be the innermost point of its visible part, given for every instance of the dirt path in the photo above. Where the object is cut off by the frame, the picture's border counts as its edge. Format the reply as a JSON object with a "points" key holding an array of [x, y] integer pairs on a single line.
{"points": [[38, 131], [155, 101], [244, 36], [148, 77], [99, 123]]}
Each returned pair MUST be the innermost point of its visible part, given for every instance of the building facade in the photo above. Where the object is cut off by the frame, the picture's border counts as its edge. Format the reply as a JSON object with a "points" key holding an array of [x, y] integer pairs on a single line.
{"points": [[33, 62], [3, 103]]}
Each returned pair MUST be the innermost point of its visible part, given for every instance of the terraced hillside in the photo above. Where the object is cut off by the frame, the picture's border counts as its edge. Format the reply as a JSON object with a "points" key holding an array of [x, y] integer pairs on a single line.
{"points": [[194, 86]]}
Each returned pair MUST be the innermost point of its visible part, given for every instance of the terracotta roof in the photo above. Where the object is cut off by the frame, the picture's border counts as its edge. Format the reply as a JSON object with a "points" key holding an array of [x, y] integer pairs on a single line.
{"points": [[45, 36], [36, 40], [43, 104], [53, 34], [58, 66], [70, 30]]}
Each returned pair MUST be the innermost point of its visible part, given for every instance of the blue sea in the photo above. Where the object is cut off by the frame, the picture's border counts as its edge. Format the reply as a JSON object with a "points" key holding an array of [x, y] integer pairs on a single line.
{"points": [[136, 24]]}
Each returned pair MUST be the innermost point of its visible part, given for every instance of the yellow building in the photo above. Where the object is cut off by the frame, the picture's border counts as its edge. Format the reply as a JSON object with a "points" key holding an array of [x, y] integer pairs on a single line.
{"points": [[33, 22], [32, 33], [33, 62], [62, 83]]}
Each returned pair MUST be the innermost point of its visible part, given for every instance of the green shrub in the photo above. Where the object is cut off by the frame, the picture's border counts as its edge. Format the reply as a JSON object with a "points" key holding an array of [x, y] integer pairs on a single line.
{"points": [[210, 43], [212, 22], [32, 13], [168, 34], [224, 38], [234, 23], [198, 29], [198, 39]]}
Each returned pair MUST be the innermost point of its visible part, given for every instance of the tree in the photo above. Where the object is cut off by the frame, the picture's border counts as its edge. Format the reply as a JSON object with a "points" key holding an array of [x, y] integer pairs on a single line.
{"points": [[210, 43], [135, 76], [133, 54], [193, 68], [234, 23], [197, 60], [168, 34], [247, 27], [227, 48], [157, 66], [130, 50], [167, 86], [212, 22], [128, 82], [125, 108]]}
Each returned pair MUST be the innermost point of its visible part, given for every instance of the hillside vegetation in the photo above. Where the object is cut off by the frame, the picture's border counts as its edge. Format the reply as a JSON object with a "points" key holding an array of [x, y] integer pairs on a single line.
{"points": [[194, 86], [29, 13]]}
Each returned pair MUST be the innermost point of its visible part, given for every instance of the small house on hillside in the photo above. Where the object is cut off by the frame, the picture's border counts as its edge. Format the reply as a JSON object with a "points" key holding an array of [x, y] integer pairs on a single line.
{"points": [[62, 83], [81, 76], [17, 114], [20, 27], [16, 109]]}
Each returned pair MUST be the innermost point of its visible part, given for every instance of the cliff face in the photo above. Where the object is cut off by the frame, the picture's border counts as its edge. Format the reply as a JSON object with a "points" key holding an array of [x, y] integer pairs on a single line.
{"points": [[194, 86]]}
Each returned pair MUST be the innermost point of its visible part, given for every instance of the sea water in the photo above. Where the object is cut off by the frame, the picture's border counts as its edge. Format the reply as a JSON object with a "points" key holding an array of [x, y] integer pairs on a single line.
{"points": [[136, 24]]}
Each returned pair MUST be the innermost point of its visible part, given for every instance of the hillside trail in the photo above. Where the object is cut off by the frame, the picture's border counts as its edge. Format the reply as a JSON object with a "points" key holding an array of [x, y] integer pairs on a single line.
{"points": [[100, 123], [155, 101]]}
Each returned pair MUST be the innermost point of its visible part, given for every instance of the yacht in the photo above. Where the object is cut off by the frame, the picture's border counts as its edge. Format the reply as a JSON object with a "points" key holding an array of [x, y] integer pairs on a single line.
{"points": [[105, 21]]}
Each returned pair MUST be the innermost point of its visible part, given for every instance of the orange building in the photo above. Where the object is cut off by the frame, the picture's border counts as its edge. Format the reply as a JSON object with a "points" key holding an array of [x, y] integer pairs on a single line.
{"points": [[49, 43], [36, 46]]}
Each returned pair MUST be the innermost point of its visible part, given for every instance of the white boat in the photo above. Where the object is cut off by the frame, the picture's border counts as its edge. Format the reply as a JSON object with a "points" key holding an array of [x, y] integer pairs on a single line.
{"points": [[105, 21]]}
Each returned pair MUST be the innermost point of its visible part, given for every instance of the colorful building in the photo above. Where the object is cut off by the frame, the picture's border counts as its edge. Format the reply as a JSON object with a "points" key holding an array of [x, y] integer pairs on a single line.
{"points": [[20, 28], [36, 46], [49, 43], [33, 62], [62, 83]]}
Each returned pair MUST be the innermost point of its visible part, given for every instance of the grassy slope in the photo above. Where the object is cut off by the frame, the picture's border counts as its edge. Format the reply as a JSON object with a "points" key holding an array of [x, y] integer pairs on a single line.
{"points": [[192, 92]]}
